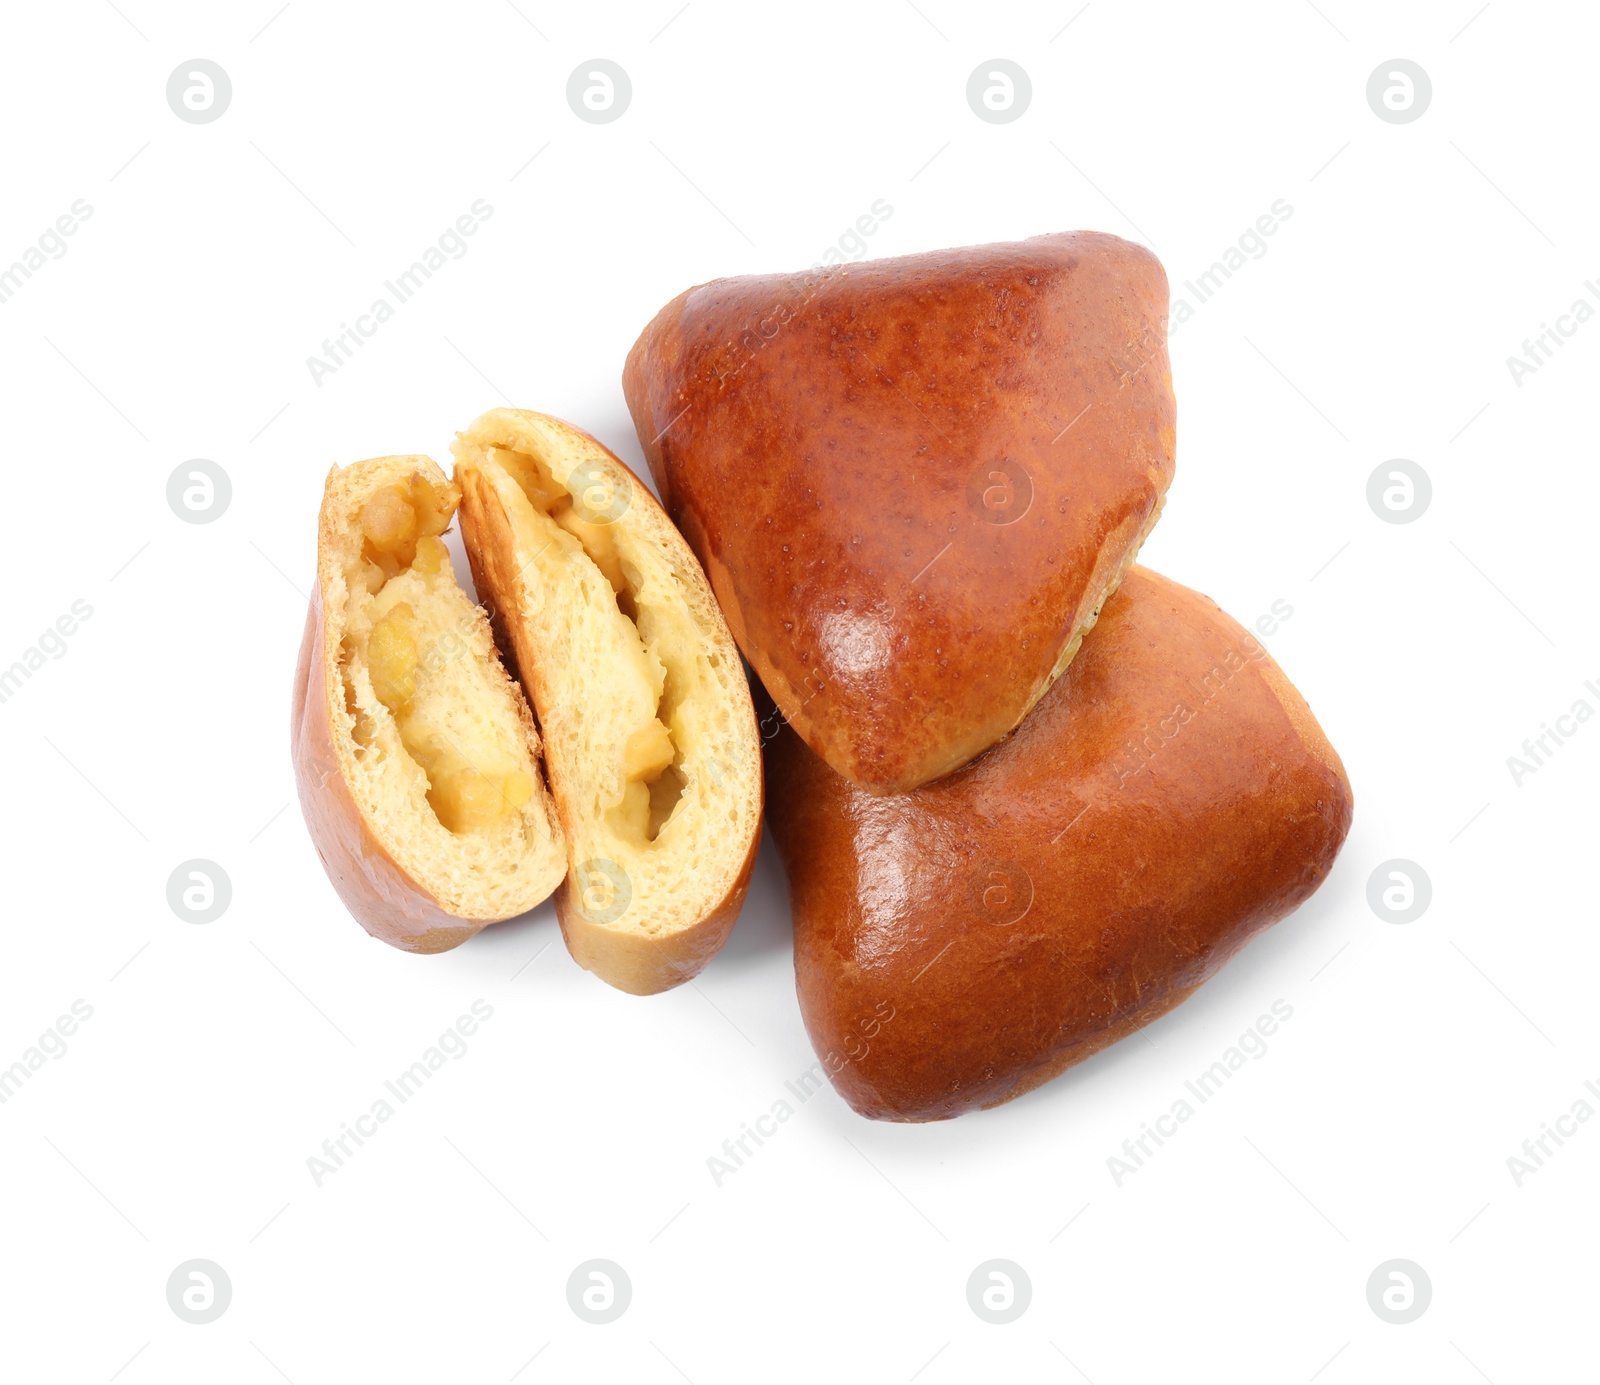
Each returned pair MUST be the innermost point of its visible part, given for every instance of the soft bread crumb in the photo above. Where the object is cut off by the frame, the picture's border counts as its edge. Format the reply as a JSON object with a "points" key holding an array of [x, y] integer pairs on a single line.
{"points": [[648, 727], [460, 707]]}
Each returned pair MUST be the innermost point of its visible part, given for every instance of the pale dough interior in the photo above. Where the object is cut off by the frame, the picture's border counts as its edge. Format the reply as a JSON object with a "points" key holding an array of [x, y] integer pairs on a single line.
{"points": [[440, 747], [642, 713]]}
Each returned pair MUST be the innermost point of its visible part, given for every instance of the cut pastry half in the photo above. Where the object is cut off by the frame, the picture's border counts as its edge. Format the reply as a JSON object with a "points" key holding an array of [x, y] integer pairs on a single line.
{"points": [[415, 753], [649, 732]]}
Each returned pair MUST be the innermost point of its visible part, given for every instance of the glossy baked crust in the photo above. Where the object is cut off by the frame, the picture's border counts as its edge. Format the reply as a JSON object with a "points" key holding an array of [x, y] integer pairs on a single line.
{"points": [[912, 482], [1167, 800]]}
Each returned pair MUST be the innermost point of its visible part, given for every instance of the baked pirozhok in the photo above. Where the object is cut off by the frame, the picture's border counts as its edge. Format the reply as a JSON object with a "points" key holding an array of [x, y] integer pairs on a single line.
{"points": [[913, 482], [958, 946]]}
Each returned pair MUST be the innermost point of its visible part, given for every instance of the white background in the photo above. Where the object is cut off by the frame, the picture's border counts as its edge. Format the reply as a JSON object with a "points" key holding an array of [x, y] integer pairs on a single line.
{"points": [[177, 325]]}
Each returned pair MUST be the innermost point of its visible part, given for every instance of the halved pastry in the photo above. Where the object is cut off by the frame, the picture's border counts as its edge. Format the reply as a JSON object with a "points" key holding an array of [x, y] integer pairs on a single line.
{"points": [[415, 754], [649, 731]]}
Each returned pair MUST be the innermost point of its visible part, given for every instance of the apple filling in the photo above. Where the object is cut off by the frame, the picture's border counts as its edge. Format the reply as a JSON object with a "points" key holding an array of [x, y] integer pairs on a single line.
{"points": [[639, 741], [415, 631]]}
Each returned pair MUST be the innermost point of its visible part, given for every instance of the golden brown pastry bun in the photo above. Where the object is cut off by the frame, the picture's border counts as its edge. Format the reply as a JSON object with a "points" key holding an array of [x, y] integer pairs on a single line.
{"points": [[649, 732], [959, 945], [914, 481], [415, 755]]}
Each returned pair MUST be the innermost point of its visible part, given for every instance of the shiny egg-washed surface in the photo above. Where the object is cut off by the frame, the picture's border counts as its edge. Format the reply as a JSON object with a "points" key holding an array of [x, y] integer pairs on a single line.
{"points": [[912, 481], [1168, 799]]}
